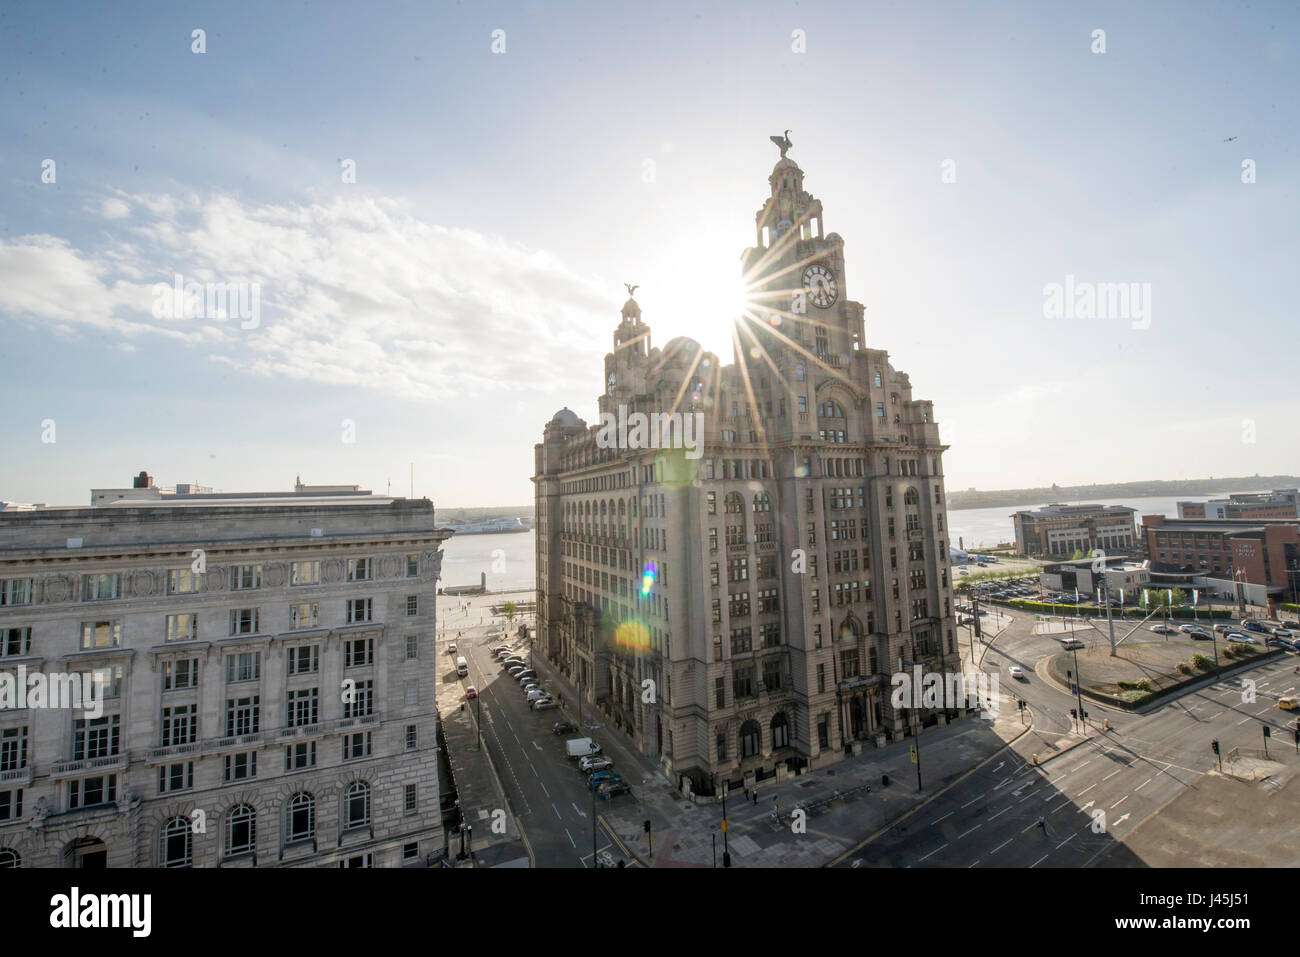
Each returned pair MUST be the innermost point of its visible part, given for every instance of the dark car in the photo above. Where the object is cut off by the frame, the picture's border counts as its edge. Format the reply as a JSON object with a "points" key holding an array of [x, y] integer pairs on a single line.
{"points": [[564, 727], [613, 789]]}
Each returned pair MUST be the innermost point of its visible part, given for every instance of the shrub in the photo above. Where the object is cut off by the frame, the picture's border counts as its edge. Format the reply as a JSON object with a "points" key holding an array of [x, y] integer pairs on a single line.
{"points": [[1203, 662], [1184, 668]]}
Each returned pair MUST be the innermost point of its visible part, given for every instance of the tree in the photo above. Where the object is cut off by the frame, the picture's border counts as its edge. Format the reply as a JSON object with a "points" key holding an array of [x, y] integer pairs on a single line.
{"points": [[509, 609]]}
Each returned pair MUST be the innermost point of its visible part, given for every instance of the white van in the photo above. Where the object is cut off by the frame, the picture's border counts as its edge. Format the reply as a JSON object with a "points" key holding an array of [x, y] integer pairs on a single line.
{"points": [[462, 667]]}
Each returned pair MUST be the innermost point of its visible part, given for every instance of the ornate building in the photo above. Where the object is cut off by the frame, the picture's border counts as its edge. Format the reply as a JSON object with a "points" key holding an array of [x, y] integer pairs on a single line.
{"points": [[738, 609], [268, 674]]}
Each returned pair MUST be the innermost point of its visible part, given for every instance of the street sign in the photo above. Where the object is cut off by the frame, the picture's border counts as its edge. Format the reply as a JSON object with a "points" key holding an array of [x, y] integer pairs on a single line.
{"points": [[724, 825], [913, 754]]}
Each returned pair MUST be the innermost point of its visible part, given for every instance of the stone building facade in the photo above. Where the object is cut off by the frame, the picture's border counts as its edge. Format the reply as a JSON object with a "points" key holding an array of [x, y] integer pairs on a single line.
{"points": [[267, 663], [738, 602]]}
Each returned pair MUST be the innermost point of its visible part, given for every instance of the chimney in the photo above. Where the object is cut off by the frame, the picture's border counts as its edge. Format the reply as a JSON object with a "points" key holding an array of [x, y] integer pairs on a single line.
{"points": [[143, 480]]}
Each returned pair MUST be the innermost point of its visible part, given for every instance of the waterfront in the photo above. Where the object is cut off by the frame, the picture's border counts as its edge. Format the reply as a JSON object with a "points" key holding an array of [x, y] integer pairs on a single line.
{"points": [[510, 560]]}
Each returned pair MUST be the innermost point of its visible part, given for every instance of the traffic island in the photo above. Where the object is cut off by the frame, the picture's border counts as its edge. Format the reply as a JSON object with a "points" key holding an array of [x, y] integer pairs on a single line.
{"points": [[1141, 673]]}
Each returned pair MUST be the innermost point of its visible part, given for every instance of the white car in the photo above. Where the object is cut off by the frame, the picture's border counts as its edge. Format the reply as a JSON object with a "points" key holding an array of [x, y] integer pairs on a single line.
{"points": [[1164, 630], [596, 762], [451, 648], [1016, 671], [535, 694], [1241, 639], [1186, 629]]}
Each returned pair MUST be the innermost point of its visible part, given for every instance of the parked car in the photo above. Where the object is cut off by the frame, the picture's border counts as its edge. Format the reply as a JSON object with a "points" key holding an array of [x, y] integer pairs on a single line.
{"points": [[516, 671], [603, 777], [471, 692], [1199, 635], [1072, 644], [534, 695], [1284, 633], [564, 727], [544, 704], [1164, 630], [597, 762], [1187, 629], [531, 686], [1222, 629], [1252, 625], [526, 675], [1242, 639], [613, 789]]}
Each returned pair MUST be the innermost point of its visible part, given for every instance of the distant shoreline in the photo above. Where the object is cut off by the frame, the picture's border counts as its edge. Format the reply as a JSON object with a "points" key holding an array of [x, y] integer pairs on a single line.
{"points": [[1021, 497]]}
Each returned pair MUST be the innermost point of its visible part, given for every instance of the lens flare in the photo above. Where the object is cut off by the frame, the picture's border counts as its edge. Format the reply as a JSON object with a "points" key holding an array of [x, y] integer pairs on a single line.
{"points": [[632, 634], [677, 469], [648, 576]]}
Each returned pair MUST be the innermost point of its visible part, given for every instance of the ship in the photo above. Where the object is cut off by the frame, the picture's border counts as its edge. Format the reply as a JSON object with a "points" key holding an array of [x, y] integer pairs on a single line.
{"points": [[497, 526]]}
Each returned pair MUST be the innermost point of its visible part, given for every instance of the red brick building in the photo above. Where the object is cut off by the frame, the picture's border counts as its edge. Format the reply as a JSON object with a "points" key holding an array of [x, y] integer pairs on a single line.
{"points": [[1262, 552]]}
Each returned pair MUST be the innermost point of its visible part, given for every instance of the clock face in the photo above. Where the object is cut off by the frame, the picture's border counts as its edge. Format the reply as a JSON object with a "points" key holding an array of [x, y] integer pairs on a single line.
{"points": [[820, 284], [611, 380]]}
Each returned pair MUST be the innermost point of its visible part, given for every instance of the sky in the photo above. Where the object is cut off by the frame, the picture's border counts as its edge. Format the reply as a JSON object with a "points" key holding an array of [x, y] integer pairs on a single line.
{"points": [[438, 205]]}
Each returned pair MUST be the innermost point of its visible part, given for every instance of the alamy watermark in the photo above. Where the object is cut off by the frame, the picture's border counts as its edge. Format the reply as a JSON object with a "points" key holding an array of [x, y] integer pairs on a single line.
{"points": [[1098, 300], [654, 430], [950, 690], [75, 690], [217, 301]]}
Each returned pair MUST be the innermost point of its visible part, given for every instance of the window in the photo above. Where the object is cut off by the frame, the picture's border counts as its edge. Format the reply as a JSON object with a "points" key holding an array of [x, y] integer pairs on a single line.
{"points": [[780, 731], [361, 860], [409, 804], [16, 641], [410, 851], [412, 605], [722, 746], [411, 693], [720, 692], [182, 581], [182, 627], [303, 615], [749, 739], [175, 843], [772, 674], [301, 707], [101, 634], [356, 745], [303, 660], [300, 818], [16, 591], [357, 805], [299, 755], [412, 647], [411, 737], [243, 666], [13, 749], [175, 777], [11, 809], [240, 766], [359, 609], [179, 725], [360, 569], [243, 577], [96, 737], [821, 678], [713, 503], [304, 573], [180, 674], [412, 566], [849, 666], [363, 700], [241, 830], [243, 621], [358, 653], [243, 715], [742, 682], [88, 792], [102, 587]]}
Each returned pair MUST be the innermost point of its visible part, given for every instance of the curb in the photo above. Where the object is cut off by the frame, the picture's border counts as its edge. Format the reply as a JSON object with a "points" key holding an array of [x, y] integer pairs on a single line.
{"points": [[528, 845], [933, 797], [623, 848]]}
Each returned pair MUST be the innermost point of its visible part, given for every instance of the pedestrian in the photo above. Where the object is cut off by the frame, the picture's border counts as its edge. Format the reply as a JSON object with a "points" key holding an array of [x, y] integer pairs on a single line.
{"points": [[755, 796]]}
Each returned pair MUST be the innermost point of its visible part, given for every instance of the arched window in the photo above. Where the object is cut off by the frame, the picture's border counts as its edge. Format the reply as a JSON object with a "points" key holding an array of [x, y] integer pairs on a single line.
{"points": [[300, 818], [911, 497], [799, 373], [357, 805], [9, 858], [175, 847], [749, 739], [829, 410], [780, 731], [241, 830]]}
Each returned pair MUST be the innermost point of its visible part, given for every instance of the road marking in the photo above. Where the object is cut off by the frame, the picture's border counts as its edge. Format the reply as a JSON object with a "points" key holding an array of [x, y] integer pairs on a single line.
{"points": [[999, 767], [571, 840], [945, 817], [556, 810], [936, 850], [975, 828], [1119, 802], [969, 803], [1213, 716], [1004, 784], [1065, 842], [576, 808], [1086, 790], [1142, 785], [543, 784], [1061, 805], [1245, 719], [1002, 845], [1120, 820], [1112, 774], [1003, 811], [1039, 861]]}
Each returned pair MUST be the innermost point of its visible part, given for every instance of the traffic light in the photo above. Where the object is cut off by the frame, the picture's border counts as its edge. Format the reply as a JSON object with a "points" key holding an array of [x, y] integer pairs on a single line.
{"points": [[1074, 713], [646, 827], [1268, 732], [1215, 743]]}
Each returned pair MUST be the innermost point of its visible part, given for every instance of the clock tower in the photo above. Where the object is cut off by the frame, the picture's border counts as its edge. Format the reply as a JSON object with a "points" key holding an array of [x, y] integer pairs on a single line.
{"points": [[796, 271]]}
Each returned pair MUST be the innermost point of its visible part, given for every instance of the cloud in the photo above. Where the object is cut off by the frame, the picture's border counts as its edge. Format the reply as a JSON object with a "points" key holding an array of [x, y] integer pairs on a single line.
{"points": [[353, 291], [113, 208]]}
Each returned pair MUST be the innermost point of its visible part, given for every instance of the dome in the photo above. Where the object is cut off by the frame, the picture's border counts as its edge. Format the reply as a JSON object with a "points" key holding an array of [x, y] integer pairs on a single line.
{"points": [[784, 163], [567, 418]]}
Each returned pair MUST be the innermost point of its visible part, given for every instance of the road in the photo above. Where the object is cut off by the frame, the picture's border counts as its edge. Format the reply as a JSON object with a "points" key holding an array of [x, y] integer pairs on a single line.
{"points": [[1094, 794]]}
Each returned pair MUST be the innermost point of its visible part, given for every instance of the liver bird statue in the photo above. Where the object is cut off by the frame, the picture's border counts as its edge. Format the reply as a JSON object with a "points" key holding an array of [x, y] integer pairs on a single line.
{"points": [[782, 142], [631, 289]]}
